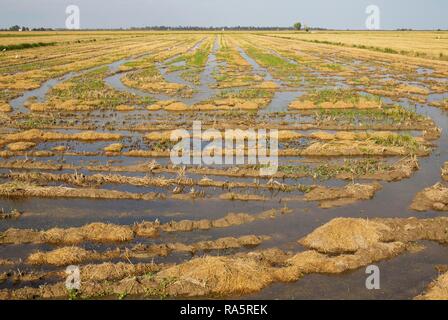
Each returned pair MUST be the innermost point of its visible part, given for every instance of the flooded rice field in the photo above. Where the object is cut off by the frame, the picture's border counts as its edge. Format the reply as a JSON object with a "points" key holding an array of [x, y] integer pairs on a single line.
{"points": [[87, 178]]}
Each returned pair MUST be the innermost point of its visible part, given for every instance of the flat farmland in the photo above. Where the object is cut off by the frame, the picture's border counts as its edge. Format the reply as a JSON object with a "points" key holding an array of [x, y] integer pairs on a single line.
{"points": [[87, 177]]}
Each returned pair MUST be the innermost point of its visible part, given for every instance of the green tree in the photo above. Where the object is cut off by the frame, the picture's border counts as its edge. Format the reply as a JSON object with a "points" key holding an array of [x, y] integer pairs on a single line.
{"points": [[298, 26]]}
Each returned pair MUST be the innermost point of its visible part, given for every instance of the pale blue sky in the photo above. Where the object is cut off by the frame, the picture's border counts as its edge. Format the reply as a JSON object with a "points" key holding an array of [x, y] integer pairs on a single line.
{"points": [[342, 14]]}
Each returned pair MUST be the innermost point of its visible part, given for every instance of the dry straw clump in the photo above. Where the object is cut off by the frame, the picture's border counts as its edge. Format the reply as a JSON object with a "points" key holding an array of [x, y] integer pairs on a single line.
{"points": [[124, 108], [344, 235], [95, 232], [40, 135], [114, 148], [102, 232], [5, 107], [217, 275], [340, 245], [20, 146], [20, 189], [331, 197], [61, 256], [437, 290], [432, 198]]}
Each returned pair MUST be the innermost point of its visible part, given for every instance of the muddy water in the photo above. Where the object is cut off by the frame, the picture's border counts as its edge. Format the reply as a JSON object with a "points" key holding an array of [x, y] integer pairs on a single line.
{"points": [[201, 92], [39, 94], [204, 91], [18, 104], [402, 277], [281, 99]]}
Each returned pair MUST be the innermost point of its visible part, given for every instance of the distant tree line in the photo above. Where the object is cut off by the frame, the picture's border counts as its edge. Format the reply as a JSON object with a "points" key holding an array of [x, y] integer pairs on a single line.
{"points": [[297, 26], [19, 28], [235, 28]]}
